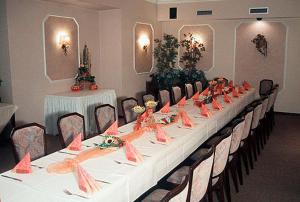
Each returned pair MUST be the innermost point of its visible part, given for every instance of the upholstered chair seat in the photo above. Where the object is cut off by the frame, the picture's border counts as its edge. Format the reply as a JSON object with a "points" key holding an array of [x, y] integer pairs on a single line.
{"points": [[164, 97], [176, 94], [105, 116], [189, 90], [198, 86]]}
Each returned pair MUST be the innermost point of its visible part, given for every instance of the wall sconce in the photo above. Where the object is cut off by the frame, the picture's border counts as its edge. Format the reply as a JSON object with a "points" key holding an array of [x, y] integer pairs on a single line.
{"points": [[197, 38], [64, 42], [144, 42]]}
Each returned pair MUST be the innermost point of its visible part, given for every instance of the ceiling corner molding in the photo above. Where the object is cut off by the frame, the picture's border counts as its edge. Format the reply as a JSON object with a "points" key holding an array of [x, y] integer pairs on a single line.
{"points": [[178, 1]]}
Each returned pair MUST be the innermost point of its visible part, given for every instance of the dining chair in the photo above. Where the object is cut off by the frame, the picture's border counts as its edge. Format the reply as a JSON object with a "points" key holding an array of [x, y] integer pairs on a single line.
{"points": [[105, 116], [265, 87], [276, 90], [176, 94], [164, 97], [268, 112], [245, 147], [69, 126], [262, 121], [179, 193], [127, 105], [198, 86], [221, 142], [200, 173], [29, 138], [188, 90], [257, 107], [234, 160]]}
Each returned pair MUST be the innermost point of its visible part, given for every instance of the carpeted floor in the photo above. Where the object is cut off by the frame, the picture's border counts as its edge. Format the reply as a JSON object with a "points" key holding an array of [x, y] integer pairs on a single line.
{"points": [[276, 174]]}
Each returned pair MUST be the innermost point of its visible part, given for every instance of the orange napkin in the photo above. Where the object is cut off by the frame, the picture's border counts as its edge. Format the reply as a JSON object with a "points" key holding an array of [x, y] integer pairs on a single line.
{"points": [[182, 102], [166, 108], [227, 98], [220, 90], [161, 135], [240, 90], [205, 92], [24, 165], [76, 143], [230, 84], [113, 129], [222, 86], [246, 85], [216, 104], [204, 111], [186, 121], [86, 183], [234, 93], [196, 96], [132, 153]]}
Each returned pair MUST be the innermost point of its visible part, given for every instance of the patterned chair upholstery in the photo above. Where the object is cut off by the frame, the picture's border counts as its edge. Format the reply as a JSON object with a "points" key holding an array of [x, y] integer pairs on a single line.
{"points": [[198, 86], [271, 101], [265, 101], [178, 194], [69, 126], [200, 173], [221, 143], [105, 116], [127, 105], [164, 97], [176, 94], [189, 90], [29, 138], [237, 133], [248, 120], [257, 105], [265, 87]]}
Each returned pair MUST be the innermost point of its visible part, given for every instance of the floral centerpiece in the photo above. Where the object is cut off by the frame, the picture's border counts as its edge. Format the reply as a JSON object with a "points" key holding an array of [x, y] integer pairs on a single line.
{"points": [[83, 78], [138, 110]]}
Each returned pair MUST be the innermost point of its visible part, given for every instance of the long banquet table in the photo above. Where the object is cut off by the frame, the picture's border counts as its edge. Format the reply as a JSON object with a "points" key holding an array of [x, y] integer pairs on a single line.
{"points": [[127, 182]]}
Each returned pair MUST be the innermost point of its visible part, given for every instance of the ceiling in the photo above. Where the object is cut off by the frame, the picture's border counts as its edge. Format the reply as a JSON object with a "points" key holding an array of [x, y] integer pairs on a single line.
{"points": [[178, 1], [90, 4]]}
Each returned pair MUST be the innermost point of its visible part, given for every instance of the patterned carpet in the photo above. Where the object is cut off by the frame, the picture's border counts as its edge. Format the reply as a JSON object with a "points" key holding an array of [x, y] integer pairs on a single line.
{"points": [[276, 174]]}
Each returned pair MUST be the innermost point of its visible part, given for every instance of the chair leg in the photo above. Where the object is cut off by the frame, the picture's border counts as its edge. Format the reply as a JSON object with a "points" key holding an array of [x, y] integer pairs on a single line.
{"points": [[244, 158], [239, 170], [210, 191], [248, 150], [257, 137], [220, 189], [233, 171], [253, 145]]}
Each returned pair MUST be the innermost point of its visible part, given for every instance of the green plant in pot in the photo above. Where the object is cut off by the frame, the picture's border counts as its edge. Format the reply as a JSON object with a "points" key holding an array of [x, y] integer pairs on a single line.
{"points": [[191, 56], [165, 54]]}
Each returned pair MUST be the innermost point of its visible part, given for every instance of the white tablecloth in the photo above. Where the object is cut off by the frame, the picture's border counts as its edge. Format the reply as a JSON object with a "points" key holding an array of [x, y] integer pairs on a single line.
{"points": [[83, 102], [127, 182], [6, 112]]}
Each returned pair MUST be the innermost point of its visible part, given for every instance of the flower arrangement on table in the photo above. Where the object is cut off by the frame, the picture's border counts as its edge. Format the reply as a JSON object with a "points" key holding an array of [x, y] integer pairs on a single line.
{"points": [[84, 78], [138, 110]]}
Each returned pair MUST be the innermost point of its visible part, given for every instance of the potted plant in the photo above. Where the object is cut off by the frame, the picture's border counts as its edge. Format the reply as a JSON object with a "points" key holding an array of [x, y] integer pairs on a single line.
{"points": [[190, 57]]}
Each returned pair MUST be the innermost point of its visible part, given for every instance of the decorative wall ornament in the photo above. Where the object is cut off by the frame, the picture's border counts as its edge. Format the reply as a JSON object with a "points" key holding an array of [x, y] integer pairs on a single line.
{"points": [[192, 53], [261, 44]]}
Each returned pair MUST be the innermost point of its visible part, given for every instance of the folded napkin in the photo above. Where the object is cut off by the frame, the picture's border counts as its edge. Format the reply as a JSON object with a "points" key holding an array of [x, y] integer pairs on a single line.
{"points": [[222, 85], [196, 96], [182, 102], [113, 129], [215, 88], [220, 90], [204, 111], [76, 143], [161, 135], [246, 85], [216, 104], [226, 98], [186, 121], [235, 93], [230, 84], [166, 108], [24, 165], [240, 90], [132, 154], [86, 183], [205, 92]]}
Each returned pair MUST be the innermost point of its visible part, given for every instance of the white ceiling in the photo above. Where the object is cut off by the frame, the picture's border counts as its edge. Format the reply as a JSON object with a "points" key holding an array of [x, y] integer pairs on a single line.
{"points": [[90, 4], [178, 1]]}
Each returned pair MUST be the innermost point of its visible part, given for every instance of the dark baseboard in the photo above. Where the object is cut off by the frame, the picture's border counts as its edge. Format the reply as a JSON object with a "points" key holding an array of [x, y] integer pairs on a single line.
{"points": [[288, 113]]}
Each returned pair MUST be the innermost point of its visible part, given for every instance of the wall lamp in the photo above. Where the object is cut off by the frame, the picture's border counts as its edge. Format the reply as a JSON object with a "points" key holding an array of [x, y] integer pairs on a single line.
{"points": [[144, 42], [64, 42]]}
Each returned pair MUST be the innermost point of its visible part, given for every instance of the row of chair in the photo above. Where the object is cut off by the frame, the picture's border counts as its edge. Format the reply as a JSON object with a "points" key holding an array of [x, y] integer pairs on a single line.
{"points": [[207, 169]]}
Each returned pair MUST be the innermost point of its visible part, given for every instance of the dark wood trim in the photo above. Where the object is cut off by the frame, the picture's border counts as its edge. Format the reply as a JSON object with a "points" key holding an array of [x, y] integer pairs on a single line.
{"points": [[288, 113]]}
